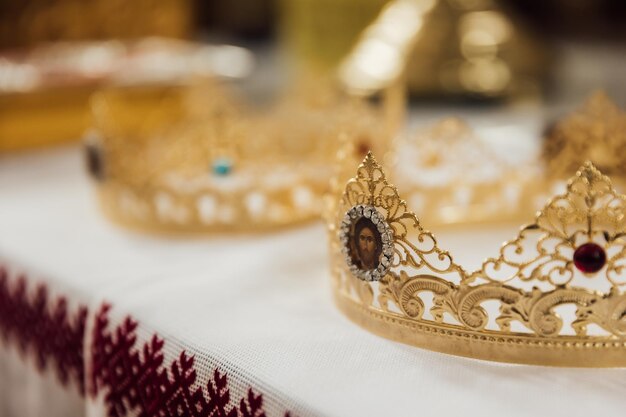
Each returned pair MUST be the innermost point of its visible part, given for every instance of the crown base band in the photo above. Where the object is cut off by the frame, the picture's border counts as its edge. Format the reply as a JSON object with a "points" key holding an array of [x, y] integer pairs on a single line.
{"points": [[562, 351], [146, 218]]}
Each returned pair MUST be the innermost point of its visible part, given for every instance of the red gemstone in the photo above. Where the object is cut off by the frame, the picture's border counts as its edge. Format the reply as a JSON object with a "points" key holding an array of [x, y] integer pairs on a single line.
{"points": [[589, 257]]}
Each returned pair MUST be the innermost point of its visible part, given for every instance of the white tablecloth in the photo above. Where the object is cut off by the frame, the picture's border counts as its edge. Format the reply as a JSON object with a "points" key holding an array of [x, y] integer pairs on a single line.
{"points": [[257, 308]]}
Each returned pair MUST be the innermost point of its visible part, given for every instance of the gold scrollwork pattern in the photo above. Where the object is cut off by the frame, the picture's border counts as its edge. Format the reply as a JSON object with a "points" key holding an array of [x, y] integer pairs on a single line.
{"points": [[542, 255], [370, 187], [590, 211]]}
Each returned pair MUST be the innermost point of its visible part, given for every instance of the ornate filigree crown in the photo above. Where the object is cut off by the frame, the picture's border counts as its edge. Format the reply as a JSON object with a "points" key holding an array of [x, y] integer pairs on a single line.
{"points": [[392, 277], [195, 160], [596, 131], [452, 176]]}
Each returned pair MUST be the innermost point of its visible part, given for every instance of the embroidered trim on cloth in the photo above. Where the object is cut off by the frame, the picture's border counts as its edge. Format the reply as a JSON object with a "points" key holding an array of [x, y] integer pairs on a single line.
{"points": [[133, 378], [136, 381], [44, 328]]}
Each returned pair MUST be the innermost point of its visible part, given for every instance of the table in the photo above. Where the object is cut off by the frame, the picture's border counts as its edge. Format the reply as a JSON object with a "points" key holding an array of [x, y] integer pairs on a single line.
{"points": [[96, 320]]}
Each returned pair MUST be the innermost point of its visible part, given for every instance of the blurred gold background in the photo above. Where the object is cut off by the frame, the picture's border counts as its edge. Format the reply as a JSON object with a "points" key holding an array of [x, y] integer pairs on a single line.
{"points": [[54, 54]]}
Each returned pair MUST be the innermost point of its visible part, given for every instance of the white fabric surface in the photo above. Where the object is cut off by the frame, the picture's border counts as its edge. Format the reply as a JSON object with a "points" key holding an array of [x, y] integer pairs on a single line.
{"points": [[25, 392], [261, 307]]}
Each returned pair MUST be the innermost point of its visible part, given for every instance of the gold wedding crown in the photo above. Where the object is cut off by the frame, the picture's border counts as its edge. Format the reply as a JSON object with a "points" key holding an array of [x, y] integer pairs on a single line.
{"points": [[452, 176], [194, 159], [392, 278], [596, 131]]}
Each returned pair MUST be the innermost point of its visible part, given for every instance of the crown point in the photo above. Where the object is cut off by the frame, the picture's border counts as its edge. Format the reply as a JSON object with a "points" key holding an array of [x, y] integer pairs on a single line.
{"points": [[588, 165], [589, 170], [369, 159], [600, 101]]}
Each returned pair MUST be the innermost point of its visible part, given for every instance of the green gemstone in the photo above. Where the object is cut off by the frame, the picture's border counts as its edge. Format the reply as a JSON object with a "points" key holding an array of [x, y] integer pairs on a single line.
{"points": [[222, 166]]}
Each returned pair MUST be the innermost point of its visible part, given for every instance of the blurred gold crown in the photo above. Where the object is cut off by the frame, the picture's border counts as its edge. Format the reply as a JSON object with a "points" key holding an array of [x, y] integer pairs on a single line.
{"points": [[596, 131], [452, 176], [387, 267], [194, 159]]}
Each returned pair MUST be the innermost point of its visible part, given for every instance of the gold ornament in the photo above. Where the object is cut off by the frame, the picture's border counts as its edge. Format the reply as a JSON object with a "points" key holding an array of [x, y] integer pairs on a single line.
{"points": [[452, 176], [573, 253], [447, 48], [595, 132], [195, 160]]}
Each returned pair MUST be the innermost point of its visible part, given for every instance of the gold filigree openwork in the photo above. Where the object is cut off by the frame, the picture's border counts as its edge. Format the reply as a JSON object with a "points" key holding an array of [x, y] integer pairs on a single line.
{"points": [[590, 211], [595, 132], [572, 254], [450, 175], [197, 160]]}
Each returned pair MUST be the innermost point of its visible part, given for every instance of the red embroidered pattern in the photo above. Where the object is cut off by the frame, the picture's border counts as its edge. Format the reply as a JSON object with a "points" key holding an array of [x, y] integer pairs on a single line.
{"points": [[43, 327], [135, 379]]}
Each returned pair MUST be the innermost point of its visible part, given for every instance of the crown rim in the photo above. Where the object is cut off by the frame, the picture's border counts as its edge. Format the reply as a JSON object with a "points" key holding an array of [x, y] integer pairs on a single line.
{"points": [[518, 348], [543, 343]]}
